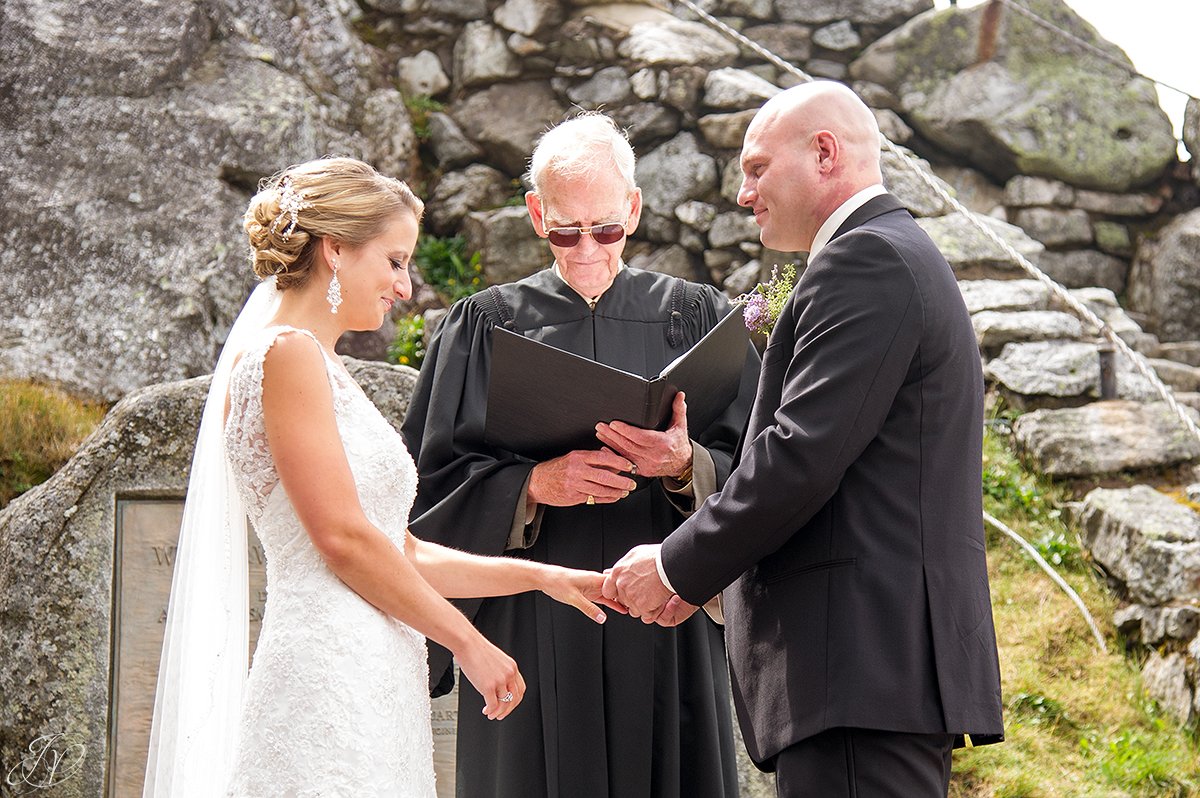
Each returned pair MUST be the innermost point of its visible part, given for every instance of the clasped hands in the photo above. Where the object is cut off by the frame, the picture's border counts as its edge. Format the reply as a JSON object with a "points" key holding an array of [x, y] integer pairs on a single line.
{"points": [[634, 583]]}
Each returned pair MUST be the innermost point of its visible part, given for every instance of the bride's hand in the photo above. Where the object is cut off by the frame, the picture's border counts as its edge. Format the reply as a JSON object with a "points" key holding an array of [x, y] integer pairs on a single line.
{"points": [[494, 674], [583, 590]]}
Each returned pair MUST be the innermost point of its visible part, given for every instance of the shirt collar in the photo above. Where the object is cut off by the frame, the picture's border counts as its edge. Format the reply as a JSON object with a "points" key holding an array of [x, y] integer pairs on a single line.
{"points": [[835, 220], [590, 300]]}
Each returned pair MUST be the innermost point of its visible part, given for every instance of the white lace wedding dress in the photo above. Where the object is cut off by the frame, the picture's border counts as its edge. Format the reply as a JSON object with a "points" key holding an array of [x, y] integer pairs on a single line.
{"points": [[337, 702]]}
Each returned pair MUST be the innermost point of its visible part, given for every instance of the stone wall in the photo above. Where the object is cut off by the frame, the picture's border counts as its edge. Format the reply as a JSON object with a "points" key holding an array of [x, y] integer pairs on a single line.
{"points": [[123, 263]]}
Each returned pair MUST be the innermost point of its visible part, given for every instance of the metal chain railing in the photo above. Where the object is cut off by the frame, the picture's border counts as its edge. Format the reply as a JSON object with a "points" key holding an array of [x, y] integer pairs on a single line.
{"points": [[1062, 294]]}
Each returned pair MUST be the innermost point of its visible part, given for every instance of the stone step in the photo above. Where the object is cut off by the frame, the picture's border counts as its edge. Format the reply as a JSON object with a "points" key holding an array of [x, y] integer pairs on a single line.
{"points": [[1104, 438], [1051, 374], [1147, 542]]}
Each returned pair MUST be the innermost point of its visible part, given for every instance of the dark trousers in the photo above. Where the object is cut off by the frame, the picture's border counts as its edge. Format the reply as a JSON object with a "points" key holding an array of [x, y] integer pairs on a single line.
{"points": [[864, 763]]}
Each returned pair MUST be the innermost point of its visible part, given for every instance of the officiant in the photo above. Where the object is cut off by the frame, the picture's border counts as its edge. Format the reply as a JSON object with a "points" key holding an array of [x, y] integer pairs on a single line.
{"points": [[626, 708]]}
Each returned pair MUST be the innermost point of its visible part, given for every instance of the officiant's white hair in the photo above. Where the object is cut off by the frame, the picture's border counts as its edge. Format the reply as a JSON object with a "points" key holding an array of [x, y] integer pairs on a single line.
{"points": [[588, 145]]}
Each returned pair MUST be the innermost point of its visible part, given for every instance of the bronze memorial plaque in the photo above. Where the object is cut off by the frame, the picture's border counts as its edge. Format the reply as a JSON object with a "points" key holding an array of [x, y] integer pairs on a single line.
{"points": [[147, 530]]}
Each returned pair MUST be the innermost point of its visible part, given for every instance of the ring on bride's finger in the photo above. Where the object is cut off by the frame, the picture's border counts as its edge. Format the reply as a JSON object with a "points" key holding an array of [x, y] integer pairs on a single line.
{"points": [[633, 469], [591, 499], [507, 698]]}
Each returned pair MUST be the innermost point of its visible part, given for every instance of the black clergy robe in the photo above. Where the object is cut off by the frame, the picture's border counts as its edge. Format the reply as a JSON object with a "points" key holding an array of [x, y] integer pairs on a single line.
{"points": [[623, 709]]}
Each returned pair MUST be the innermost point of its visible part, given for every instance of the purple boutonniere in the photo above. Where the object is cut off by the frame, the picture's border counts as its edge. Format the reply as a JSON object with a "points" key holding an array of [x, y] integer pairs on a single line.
{"points": [[763, 303]]}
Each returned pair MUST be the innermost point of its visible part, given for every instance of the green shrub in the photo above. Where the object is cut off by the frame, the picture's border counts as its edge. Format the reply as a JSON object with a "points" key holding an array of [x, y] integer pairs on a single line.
{"points": [[408, 349], [40, 429], [445, 266], [420, 106]]}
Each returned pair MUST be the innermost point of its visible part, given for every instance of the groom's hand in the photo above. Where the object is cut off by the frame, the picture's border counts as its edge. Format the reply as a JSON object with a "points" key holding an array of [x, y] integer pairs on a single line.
{"points": [[634, 582]]}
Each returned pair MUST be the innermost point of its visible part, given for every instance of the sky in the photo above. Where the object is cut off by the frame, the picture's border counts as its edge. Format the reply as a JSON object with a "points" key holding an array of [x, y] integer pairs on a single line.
{"points": [[1159, 36]]}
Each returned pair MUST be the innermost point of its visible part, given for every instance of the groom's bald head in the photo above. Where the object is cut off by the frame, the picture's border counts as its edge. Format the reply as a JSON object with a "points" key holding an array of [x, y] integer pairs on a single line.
{"points": [[807, 150]]}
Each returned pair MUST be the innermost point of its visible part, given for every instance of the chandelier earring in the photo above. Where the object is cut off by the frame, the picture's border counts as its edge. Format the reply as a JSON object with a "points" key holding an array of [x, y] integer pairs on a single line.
{"points": [[334, 295]]}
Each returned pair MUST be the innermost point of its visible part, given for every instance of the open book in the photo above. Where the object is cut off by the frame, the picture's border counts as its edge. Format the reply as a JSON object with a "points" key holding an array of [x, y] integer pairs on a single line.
{"points": [[544, 402]]}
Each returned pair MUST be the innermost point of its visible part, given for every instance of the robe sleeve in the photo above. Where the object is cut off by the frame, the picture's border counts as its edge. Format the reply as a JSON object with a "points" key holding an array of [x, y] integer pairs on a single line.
{"points": [[468, 493]]}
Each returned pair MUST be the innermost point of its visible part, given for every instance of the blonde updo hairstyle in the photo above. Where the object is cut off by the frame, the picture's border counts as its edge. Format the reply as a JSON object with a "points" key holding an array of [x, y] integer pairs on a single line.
{"points": [[347, 201]]}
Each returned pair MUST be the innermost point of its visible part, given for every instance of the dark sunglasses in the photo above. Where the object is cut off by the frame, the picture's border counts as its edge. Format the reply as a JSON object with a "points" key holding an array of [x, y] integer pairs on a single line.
{"points": [[609, 233]]}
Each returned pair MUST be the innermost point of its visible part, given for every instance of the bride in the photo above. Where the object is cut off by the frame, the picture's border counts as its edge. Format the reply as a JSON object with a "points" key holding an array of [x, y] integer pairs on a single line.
{"points": [[336, 702]]}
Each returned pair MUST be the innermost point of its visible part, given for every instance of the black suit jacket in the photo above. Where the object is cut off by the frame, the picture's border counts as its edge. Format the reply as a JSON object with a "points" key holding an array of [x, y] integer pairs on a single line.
{"points": [[850, 535]]}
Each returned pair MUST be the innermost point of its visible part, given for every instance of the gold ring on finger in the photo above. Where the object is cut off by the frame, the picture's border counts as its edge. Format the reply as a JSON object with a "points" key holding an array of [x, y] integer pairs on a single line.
{"points": [[591, 499]]}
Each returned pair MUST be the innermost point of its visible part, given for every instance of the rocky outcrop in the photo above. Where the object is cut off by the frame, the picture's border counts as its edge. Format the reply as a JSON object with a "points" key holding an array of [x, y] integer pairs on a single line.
{"points": [[1165, 281], [995, 92]]}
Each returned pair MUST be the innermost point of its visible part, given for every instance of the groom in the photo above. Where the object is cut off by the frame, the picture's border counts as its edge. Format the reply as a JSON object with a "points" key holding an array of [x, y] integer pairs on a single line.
{"points": [[848, 540]]}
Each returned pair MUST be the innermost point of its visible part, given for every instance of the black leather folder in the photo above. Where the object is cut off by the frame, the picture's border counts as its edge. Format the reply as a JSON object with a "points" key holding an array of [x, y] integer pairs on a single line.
{"points": [[544, 402]]}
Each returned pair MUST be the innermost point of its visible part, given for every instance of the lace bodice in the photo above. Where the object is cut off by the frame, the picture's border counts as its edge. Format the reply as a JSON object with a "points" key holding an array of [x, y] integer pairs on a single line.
{"points": [[337, 700]]}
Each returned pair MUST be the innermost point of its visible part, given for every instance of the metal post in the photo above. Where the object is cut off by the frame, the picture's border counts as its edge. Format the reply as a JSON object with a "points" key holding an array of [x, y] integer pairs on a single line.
{"points": [[1108, 369]]}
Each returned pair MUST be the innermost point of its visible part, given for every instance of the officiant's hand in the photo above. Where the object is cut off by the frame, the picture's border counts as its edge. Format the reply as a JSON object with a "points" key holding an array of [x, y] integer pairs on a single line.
{"points": [[656, 454], [634, 582], [573, 478]]}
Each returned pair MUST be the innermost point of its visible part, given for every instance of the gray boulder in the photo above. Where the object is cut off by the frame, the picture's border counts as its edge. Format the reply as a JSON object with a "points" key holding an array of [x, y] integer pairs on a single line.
{"points": [[509, 248], [1178, 376], [481, 56], [673, 260], [450, 144], [1103, 302], [1165, 677], [475, 188], [971, 254], [1153, 625], [908, 187], [674, 42], [1059, 374], [1079, 268], [1038, 106], [646, 122], [1105, 438], [733, 228], [422, 74], [1055, 228], [891, 126], [1025, 191], [791, 42], [509, 138], [1146, 541], [672, 174], [388, 128], [1164, 283], [736, 89], [608, 87], [1118, 204], [1113, 238], [1004, 295], [528, 17], [1187, 352], [726, 131], [973, 189], [839, 37], [994, 329], [131, 153], [885, 13]]}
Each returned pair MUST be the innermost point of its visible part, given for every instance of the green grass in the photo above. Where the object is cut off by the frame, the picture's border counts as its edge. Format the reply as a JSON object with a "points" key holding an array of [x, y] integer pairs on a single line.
{"points": [[40, 429], [1077, 721]]}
